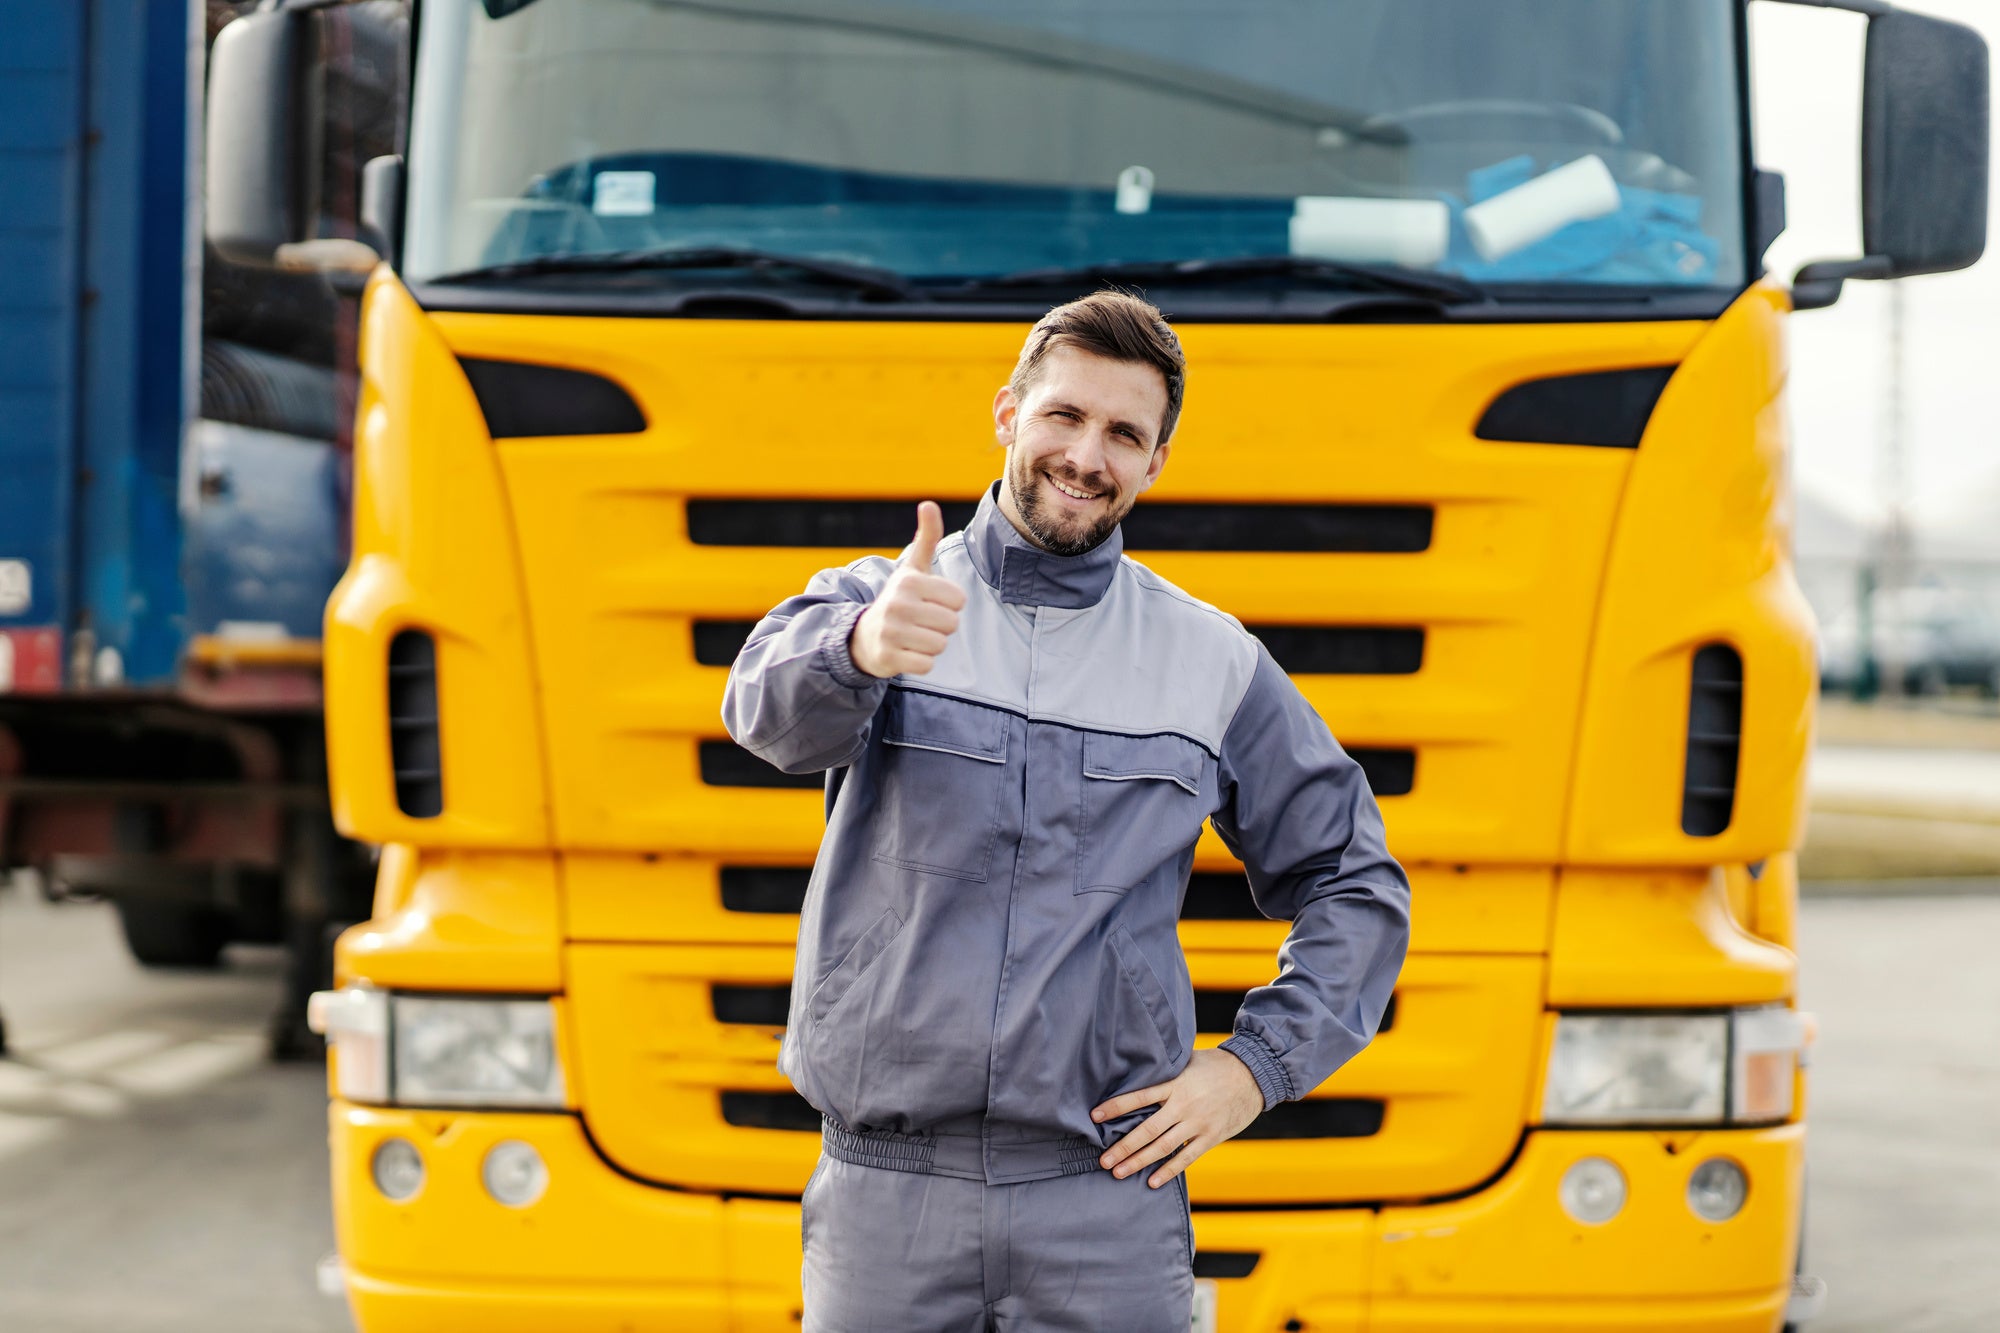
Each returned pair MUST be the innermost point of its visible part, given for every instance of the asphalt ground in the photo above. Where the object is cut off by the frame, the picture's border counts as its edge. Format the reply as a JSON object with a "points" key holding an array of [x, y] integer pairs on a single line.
{"points": [[156, 1176]]}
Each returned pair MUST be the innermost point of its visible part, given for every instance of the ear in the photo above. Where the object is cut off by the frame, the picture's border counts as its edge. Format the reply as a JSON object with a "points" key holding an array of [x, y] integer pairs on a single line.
{"points": [[1154, 466], [1006, 407]]}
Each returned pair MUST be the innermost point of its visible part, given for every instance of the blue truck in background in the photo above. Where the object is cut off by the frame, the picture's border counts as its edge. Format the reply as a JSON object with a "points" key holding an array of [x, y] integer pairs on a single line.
{"points": [[174, 446]]}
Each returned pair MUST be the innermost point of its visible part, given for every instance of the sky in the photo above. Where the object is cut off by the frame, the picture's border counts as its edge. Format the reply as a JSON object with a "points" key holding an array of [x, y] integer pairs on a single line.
{"points": [[1806, 82]]}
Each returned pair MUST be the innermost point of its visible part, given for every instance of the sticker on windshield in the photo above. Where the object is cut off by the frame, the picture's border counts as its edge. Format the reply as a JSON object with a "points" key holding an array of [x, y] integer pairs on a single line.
{"points": [[622, 194], [17, 589]]}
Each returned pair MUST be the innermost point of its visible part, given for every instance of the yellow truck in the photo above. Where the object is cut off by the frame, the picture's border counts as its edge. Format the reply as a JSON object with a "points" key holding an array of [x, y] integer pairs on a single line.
{"points": [[683, 300]]}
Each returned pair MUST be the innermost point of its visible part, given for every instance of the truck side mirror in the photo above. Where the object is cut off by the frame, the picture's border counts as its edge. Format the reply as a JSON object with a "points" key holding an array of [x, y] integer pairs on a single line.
{"points": [[263, 134], [1925, 118]]}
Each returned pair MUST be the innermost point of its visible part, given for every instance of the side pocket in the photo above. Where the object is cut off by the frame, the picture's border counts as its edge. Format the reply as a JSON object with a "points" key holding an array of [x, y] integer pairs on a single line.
{"points": [[1152, 996], [1187, 1216], [858, 960]]}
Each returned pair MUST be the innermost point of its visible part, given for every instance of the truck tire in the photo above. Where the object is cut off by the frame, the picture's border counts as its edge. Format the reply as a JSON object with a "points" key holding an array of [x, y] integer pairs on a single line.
{"points": [[173, 934]]}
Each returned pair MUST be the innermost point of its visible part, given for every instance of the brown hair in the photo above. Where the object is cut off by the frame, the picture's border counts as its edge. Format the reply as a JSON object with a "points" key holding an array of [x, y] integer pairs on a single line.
{"points": [[1115, 325]]}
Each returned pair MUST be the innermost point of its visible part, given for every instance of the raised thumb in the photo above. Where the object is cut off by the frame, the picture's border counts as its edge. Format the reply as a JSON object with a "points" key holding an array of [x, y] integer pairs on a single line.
{"points": [[930, 531]]}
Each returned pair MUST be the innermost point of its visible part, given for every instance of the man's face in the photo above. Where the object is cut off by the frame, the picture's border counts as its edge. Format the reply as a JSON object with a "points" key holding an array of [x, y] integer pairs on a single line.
{"points": [[1082, 444]]}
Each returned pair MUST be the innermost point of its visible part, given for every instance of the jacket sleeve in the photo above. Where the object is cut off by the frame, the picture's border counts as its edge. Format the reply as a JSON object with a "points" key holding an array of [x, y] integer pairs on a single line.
{"points": [[795, 698], [1298, 813]]}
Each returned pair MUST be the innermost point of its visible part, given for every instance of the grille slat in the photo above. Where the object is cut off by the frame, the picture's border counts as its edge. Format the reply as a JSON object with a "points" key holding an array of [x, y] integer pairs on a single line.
{"points": [[757, 1006], [769, 1110], [1302, 650], [1390, 772], [886, 525]]}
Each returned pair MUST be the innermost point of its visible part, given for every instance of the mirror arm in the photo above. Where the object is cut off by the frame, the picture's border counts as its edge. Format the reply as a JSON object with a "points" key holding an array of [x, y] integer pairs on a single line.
{"points": [[1868, 7], [1818, 284]]}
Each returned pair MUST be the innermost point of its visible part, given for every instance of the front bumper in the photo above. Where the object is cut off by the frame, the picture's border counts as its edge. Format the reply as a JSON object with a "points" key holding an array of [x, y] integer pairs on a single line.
{"points": [[602, 1251]]}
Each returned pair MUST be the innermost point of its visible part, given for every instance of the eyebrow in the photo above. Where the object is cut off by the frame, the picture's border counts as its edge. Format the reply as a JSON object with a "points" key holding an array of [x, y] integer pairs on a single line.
{"points": [[1134, 427]]}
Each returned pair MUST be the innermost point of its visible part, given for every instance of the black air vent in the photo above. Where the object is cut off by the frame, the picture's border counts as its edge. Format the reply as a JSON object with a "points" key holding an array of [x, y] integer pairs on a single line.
{"points": [[1219, 896], [1319, 1118], [769, 1110], [521, 399], [887, 525], [1389, 772], [761, 1006], [1304, 650], [1343, 650], [1225, 1263], [1608, 408], [716, 642], [773, 890], [414, 749], [1215, 1012], [727, 764], [1715, 734]]}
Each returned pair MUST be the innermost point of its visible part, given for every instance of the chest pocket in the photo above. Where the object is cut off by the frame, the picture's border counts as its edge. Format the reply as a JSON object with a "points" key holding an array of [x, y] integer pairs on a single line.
{"points": [[1141, 806], [941, 769]]}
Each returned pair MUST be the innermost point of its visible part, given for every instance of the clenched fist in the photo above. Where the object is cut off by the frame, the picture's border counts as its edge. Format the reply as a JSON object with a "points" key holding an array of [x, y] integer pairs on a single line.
{"points": [[906, 626]]}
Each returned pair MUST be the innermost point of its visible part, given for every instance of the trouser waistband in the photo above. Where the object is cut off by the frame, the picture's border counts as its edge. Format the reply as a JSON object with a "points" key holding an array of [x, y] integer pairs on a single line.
{"points": [[966, 1147]]}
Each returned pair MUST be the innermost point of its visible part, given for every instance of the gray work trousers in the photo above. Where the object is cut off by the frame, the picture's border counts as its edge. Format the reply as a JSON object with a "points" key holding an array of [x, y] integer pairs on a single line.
{"points": [[906, 1252]]}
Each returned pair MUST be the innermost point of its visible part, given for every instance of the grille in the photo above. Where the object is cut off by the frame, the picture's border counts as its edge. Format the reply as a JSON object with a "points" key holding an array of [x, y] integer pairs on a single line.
{"points": [[762, 1006], [414, 749], [1715, 735]]}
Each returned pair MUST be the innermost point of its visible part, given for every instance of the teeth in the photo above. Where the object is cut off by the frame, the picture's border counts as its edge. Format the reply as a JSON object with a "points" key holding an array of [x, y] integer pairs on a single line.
{"points": [[1074, 494]]}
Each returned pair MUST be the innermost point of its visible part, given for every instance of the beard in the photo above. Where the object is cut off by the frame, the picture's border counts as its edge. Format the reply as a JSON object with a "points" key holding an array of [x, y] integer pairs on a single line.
{"points": [[1061, 533]]}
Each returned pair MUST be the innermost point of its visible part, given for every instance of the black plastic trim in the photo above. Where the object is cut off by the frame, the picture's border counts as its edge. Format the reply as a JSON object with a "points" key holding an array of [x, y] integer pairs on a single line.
{"points": [[525, 400], [1657, 304], [1605, 408], [770, 1110], [1320, 1118], [1714, 742], [1225, 1263], [766, 890], [1215, 1012], [1390, 772], [884, 525], [727, 764], [1302, 650], [756, 1006], [416, 754]]}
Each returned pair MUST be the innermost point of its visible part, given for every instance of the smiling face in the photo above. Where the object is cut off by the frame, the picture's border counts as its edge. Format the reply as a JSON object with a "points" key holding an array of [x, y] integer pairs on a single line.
{"points": [[1082, 441]]}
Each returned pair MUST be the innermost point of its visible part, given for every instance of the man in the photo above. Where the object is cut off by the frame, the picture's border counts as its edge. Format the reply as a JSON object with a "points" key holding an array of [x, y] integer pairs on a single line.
{"points": [[990, 1007]]}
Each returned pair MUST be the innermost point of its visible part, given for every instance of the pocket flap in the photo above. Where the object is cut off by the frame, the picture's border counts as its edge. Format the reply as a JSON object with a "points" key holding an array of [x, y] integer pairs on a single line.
{"points": [[1128, 758], [949, 726]]}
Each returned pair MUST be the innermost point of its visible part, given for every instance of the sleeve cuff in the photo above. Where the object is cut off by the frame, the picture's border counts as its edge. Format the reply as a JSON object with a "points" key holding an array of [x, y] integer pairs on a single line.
{"points": [[834, 654], [1264, 1066]]}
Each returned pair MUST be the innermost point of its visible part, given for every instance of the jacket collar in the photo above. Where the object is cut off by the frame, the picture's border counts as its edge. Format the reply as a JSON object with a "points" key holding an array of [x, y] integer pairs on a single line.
{"points": [[1021, 572]]}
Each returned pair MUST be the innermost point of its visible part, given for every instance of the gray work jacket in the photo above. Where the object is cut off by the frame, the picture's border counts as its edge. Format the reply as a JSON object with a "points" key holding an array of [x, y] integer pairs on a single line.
{"points": [[989, 942]]}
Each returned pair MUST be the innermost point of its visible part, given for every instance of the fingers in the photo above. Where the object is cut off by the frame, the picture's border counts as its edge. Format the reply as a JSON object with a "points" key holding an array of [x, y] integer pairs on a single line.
{"points": [[1147, 1133], [930, 531], [1126, 1102], [1164, 1145], [1179, 1162]]}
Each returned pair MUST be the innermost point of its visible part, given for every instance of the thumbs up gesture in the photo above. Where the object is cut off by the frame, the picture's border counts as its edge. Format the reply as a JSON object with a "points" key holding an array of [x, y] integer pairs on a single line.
{"points": [[906, 626]]}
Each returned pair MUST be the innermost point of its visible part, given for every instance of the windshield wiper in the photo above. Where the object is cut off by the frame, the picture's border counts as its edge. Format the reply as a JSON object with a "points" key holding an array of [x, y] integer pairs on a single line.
{"points": [[881, 283], [1438, 287]]}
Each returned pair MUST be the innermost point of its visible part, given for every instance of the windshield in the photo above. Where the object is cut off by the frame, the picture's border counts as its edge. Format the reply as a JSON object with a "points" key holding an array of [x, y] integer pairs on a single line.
{"points": [[952, 142]]}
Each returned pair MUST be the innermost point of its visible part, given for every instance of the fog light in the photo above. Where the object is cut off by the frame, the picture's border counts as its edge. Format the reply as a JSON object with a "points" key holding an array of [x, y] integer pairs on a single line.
{"points": [[513, 1174], [1717, 1189], [398, 1169], [1592, 1191]]}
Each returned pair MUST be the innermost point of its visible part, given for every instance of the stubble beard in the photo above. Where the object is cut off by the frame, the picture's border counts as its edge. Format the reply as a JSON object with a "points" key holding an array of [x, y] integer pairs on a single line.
{"points": [[1060, 534]]}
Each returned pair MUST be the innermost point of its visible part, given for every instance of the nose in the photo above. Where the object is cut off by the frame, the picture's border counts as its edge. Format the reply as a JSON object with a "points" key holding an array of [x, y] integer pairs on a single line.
{"points": [[1088, 452]]}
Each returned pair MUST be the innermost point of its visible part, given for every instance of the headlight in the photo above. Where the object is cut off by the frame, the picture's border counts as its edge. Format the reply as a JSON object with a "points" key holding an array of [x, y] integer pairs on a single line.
{"points": [[420, 1050], [1672, 1069], [1632, 1069]]}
